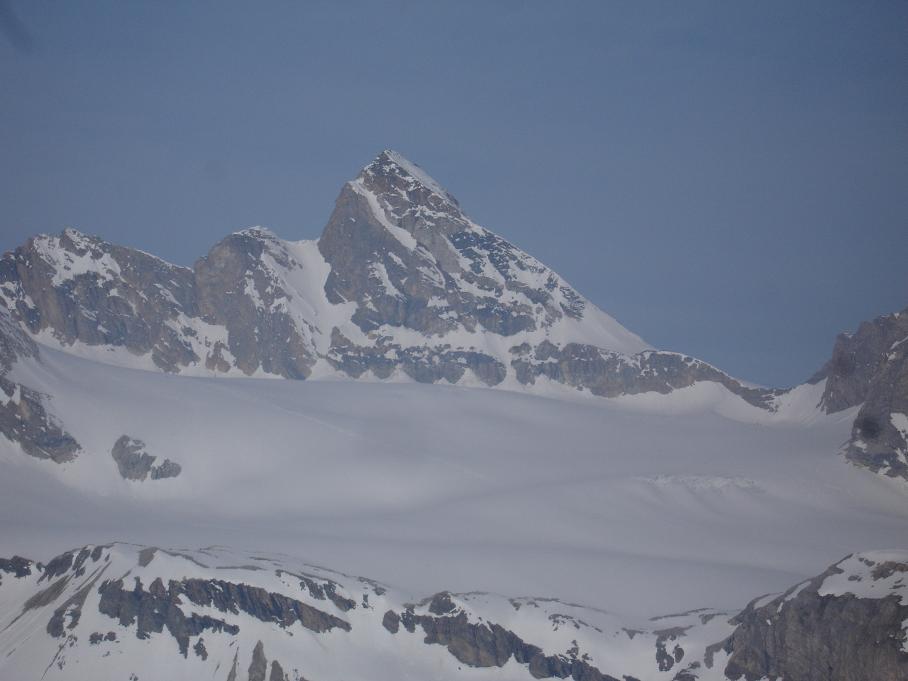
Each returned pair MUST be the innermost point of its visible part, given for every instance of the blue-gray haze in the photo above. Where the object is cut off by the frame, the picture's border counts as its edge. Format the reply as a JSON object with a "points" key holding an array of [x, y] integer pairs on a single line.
{"points": [[729, 180]]}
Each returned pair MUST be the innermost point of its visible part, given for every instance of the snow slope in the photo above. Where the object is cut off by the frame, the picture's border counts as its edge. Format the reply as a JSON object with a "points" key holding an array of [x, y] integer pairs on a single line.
{"points": [[609, 503]]}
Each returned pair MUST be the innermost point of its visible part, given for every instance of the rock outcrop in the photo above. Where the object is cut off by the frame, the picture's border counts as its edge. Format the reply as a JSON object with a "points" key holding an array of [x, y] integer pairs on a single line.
{"points": [[24, 419], [134, 463], [610, 374], [847, 624], [23, 416], [870, 368]]}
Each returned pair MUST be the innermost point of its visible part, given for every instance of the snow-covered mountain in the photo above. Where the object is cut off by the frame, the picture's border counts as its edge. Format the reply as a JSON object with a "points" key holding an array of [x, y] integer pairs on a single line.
{"points": [[125, 611], [401, 284], [601, 471]]}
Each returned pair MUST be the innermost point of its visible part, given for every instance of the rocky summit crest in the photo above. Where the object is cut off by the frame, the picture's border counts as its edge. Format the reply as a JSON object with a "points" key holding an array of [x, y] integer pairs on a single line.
{"points": [[405, 177], [401, 284]]}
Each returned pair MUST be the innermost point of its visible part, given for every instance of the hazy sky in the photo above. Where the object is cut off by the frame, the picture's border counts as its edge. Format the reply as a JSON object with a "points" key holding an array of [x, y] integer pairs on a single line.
{"points": [[729, 180]]}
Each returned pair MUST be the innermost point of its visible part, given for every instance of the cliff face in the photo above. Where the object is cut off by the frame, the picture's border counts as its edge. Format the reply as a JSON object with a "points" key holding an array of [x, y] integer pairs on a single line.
{"points": [[401, 283], [847, 624], [869, 368]]}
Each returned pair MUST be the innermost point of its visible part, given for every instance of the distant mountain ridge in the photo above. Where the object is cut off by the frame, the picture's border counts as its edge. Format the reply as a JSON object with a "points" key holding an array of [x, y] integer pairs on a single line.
{"points": [[401, 283]]}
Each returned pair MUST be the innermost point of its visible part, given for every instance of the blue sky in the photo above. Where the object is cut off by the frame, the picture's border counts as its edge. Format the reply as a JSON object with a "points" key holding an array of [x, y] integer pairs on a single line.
{"points": [[727, 179]]}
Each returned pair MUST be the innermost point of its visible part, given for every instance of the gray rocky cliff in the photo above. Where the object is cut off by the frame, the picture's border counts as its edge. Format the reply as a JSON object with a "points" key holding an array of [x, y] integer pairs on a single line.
{"points": [[818, 632], [24, 417], [869, 368]]}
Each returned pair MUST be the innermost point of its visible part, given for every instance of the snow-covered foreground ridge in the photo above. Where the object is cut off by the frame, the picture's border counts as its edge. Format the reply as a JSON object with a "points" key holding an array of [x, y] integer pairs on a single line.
{"points": [[127, 611]]}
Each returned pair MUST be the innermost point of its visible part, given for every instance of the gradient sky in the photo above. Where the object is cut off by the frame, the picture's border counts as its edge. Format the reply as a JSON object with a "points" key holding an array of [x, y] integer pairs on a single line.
{"points": [[729, 180]]}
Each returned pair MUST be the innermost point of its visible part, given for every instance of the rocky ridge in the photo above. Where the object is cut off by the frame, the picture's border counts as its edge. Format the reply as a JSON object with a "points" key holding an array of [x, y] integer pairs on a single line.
{"points": [[401, 283], [120, 609]]}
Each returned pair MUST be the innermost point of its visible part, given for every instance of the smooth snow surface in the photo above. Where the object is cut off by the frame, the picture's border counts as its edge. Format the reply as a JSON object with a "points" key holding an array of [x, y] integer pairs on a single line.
{"points": [[640, 508]]}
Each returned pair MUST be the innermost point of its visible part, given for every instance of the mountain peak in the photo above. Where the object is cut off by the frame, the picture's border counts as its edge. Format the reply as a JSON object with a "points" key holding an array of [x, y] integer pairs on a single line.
{"points": [[392, 170]]}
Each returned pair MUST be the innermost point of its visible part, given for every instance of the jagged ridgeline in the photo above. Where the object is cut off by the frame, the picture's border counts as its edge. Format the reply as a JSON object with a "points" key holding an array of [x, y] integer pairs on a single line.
{"points": [[132, 612], [402, 284], [401, 281], [655, 483]]}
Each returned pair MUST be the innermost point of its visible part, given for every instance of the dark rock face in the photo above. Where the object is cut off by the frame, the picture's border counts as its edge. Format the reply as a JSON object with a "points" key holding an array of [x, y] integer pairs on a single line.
{"points": [[81, 288], [17, 566], [58, 566], [23, 419], [14, 343], [96, 637], [238, 288], [200, 650], [857, 359], [433, 270], [154, 610], [403, 251], [664, 642], [158, 608], [490, 645], [134, 463], [809, 636], [277, 672], [259, 664], [870, 368], [167, 469], [609, 374], [424, 364], [391, 621], [255, 601]]}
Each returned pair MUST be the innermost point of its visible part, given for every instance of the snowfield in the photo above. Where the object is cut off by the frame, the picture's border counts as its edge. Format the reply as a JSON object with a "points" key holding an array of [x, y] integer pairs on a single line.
{"points": [[637, 505]]}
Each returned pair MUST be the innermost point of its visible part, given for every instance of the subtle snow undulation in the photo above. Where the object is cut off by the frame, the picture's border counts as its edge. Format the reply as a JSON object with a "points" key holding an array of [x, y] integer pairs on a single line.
{"points": [[434, 487]]}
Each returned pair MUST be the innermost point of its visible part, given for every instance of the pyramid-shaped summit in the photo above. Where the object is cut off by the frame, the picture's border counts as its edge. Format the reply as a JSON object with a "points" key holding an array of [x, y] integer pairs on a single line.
{"points": [[400, 247], [401, 284], [404, 175]]}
